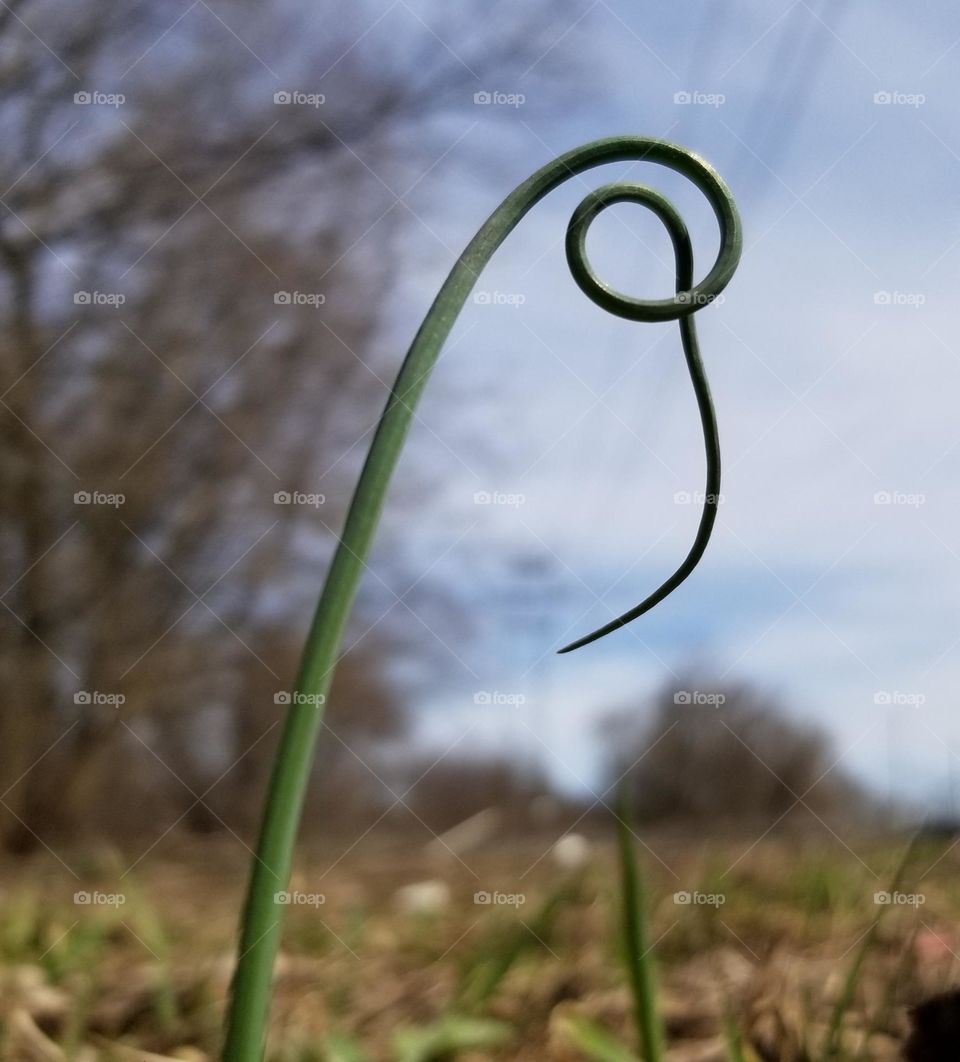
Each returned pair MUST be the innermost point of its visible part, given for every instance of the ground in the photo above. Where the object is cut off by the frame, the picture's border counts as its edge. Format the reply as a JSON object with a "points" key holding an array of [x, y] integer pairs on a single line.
{"points": [[124, 964]]}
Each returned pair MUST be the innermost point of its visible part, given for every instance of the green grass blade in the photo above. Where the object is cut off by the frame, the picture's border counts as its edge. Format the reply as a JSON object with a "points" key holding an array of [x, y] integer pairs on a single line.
{"points": [[731, 1036], [882, 1017], [593, 1040], [343, 1049], [831, 1046], [483, 978], [638, 950], [447, 1036]]}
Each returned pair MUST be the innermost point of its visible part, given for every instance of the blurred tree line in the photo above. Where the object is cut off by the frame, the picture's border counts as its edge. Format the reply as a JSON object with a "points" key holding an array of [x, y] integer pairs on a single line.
{"points": [[199, 232], [703, 755], [724, 755]]}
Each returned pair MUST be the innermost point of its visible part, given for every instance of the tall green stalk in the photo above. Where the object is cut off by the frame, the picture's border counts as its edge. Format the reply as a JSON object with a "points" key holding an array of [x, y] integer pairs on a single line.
{"points": [[638, 948], [261, 922]]}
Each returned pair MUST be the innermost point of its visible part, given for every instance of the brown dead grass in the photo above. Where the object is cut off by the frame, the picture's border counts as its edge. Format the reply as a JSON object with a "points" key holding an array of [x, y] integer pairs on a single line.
{"points": [[149, 978]]}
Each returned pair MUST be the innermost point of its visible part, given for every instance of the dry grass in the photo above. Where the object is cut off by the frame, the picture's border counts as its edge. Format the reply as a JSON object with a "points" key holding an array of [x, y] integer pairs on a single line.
{"points": [[363, 975]]}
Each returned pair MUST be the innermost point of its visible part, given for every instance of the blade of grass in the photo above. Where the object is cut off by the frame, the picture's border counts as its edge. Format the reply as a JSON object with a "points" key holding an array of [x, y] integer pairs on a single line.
{"points": [[447, 1036], [831, 1046], [882, 1016], [638, 951], [731, 1036], [736, 1050], [593, 1040], [482, 979], [342, 1049]]}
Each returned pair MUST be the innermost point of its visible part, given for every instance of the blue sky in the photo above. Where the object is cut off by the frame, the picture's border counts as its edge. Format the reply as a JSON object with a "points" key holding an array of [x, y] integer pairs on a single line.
{"points": [[834, 360]]}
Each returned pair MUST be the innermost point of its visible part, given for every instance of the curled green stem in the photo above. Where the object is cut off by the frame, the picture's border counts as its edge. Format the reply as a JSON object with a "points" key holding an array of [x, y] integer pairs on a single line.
{"points": [[261, 922]]}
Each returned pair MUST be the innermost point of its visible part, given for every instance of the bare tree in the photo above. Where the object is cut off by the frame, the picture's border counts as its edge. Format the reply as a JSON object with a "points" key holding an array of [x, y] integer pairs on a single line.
{"points": [[187, 362], [726, 754]]}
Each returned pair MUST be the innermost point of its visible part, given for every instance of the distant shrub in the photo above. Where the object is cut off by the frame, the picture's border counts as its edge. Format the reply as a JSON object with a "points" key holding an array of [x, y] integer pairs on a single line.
{"points": [[724, 753]]}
